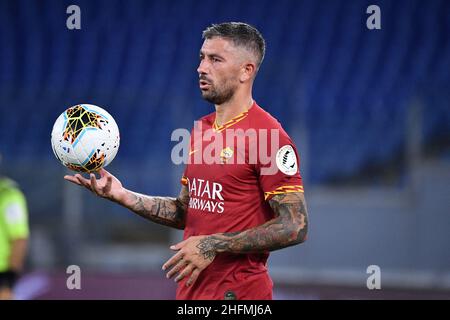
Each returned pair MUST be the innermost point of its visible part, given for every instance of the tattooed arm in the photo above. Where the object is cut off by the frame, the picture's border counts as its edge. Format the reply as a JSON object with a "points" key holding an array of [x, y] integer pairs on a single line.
{"points": [[163, 210], [289, 227]]}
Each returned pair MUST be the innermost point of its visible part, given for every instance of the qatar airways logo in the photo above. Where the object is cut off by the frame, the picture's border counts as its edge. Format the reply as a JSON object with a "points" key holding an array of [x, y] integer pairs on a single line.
{"points": [[231, 146], [205, 195]]}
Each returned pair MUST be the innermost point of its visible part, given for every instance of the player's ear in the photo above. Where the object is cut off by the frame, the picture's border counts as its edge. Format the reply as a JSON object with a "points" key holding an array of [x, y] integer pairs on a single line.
{"points": [[247, 71]]}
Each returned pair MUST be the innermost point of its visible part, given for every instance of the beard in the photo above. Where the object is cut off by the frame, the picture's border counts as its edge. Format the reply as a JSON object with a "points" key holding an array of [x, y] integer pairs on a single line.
{"points": [[218, 96]]}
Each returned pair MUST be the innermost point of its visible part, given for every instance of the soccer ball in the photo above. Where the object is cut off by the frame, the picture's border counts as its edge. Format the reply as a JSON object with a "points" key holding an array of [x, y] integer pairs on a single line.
{"points": [[85, 138]]}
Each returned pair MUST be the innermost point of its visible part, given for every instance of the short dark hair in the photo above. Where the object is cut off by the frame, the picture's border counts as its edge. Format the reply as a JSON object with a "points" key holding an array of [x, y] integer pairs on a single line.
{"points": [[242, 35]]}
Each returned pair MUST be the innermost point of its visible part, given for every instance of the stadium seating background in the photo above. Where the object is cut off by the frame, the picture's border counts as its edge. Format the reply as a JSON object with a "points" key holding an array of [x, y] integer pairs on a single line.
{"points": [[349, 87]]}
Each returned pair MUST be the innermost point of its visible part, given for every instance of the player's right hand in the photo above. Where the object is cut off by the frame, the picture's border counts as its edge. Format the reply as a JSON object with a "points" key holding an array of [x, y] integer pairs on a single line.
{"points": [[108, 186]]}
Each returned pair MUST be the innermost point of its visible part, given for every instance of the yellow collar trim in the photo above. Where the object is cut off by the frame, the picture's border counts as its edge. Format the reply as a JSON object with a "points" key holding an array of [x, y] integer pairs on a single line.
{"points": [[229, 123]]}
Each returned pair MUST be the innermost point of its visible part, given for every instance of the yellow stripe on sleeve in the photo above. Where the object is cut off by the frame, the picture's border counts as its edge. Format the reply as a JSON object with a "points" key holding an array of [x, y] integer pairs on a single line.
{"points": [[283, 189]]}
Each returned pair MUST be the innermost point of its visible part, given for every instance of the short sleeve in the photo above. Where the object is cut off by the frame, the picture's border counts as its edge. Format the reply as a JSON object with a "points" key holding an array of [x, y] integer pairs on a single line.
{"points": [[279, 172], [184, 180], [15, 215]]}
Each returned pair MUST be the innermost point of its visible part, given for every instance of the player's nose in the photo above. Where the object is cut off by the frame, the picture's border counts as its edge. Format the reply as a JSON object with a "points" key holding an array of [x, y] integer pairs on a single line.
{"points": [[202, 68]]}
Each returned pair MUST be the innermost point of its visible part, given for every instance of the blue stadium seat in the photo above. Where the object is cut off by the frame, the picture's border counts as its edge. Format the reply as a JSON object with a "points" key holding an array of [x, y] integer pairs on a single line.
{"points": [[351, 87]]}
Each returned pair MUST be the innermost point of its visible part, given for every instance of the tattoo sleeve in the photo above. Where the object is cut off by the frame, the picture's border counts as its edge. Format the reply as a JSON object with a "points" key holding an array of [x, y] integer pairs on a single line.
{"points": [[289, 227], [163, 210]]}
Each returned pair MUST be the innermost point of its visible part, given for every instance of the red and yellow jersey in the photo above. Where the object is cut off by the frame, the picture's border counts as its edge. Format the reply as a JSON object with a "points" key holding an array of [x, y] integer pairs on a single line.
{"points": [[232, 172]]}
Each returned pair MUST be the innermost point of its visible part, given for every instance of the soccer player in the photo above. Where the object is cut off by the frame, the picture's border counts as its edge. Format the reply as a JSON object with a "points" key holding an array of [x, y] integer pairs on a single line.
{"points": [[13, 236], [233, 212]]}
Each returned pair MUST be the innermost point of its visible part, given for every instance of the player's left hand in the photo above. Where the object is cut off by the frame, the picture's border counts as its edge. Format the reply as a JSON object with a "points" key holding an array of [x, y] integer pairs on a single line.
{"points": [[193, 256]]}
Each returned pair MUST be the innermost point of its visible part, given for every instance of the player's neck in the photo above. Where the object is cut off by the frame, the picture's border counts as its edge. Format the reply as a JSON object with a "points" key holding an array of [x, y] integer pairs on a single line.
{"points": [[230, 109]]}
